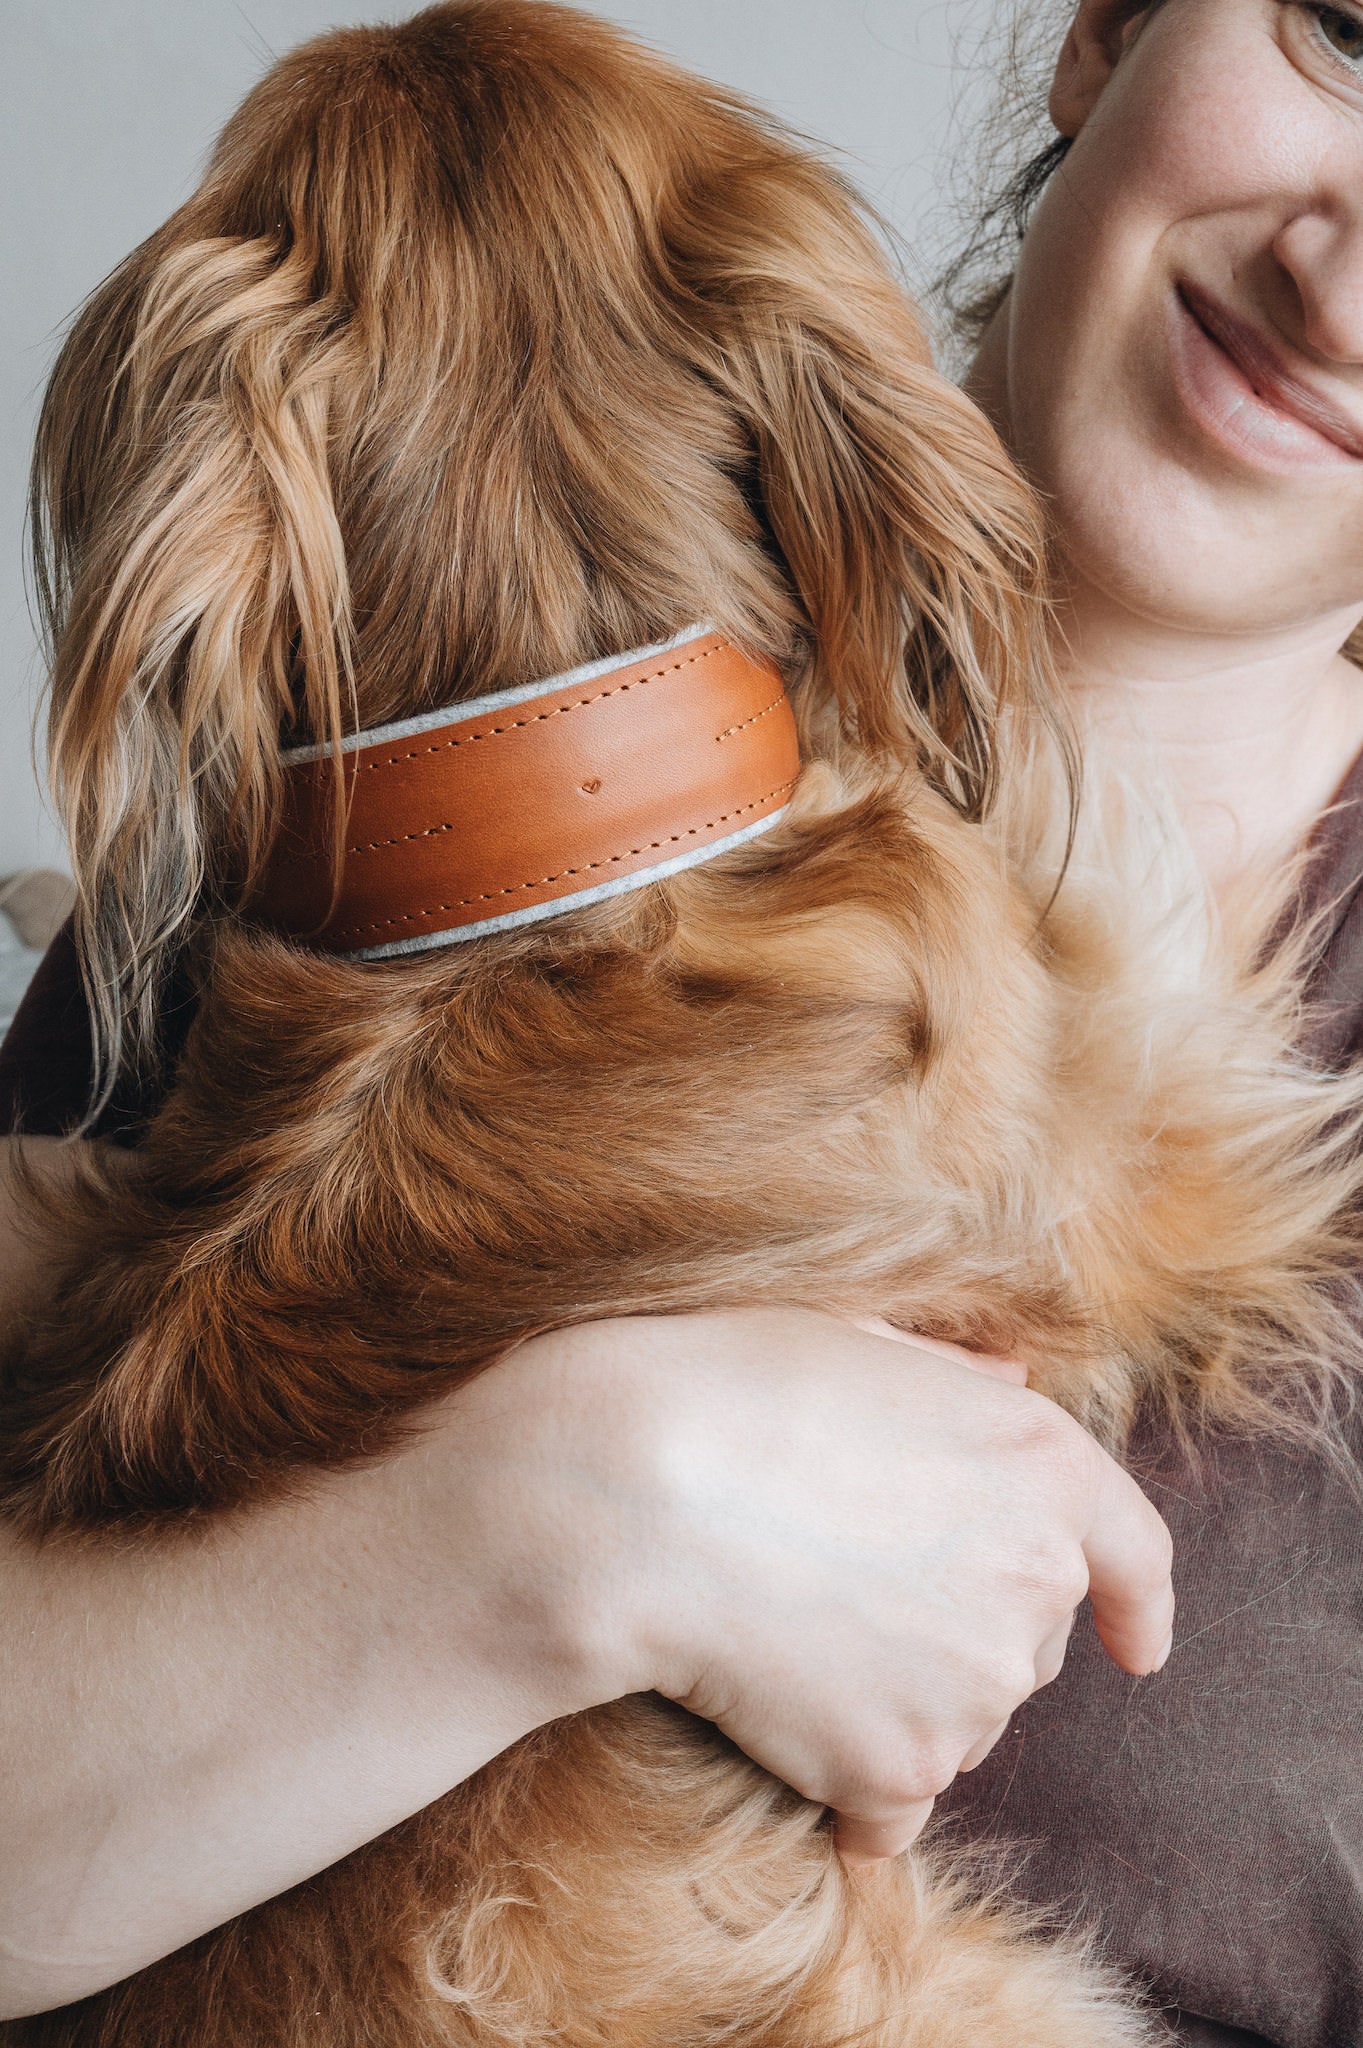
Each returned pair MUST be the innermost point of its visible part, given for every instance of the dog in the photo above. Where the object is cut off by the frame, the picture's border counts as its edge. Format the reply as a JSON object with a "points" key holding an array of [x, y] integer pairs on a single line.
{"points": [[494, 360]]}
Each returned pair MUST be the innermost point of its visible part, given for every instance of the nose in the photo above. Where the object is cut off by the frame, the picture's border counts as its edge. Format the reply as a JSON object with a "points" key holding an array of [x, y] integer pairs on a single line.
{"points": [[1321, 251]]}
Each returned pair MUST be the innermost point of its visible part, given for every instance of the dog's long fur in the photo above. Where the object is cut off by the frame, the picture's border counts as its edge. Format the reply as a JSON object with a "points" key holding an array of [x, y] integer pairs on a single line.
{"points": [[492, 344]]}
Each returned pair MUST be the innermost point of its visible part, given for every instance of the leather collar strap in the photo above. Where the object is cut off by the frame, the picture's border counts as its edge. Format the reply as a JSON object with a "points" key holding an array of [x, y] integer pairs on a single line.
{"points": [[497, 813]]}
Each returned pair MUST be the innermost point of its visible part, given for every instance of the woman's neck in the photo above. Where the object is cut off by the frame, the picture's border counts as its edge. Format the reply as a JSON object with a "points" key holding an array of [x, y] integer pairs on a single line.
{"points": [[1255, 733]]}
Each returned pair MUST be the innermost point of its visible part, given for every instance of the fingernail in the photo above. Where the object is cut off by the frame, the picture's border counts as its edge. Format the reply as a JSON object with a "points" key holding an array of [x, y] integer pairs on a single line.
{"points": [[1163, 1657]]}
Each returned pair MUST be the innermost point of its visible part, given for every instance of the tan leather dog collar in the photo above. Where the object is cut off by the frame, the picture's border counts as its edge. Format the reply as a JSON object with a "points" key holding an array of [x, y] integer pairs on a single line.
{"points": [[518, 806]]}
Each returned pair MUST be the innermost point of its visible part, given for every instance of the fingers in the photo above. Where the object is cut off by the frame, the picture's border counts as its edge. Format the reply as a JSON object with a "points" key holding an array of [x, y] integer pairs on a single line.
{"points": [[869, 1645], [859, 1840], [981, 1750], [1051, 1653], [1049, 1659], [1129, 1554]]}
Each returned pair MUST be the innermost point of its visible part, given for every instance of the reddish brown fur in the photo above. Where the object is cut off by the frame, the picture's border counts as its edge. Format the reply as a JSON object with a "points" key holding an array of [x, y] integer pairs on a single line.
{"points": [[491, 345]]}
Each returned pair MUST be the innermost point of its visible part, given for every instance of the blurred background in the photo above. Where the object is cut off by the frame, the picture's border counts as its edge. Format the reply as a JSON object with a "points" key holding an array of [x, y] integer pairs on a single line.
{"points": [[108, 107]]}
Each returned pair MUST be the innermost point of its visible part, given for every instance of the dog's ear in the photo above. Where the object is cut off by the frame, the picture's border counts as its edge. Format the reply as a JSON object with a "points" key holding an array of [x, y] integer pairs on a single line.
{"points": [[189, 556], [915, 549], [196, 576], [308, 450]]}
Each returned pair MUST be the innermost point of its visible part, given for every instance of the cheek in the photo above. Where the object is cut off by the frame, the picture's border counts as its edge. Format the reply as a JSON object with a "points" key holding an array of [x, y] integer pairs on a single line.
{"points": [[1162, 151], [1206, 138], [1189, 165]]}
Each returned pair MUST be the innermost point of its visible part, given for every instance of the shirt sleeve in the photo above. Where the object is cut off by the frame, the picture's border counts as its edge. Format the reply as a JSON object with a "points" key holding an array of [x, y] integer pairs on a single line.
{"points": [[47, 1057]]}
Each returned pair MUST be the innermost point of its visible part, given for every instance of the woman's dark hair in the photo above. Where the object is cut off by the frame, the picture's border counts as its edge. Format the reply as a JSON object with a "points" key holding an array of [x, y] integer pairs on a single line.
{"points": [[1009, 154], [972, 286]]}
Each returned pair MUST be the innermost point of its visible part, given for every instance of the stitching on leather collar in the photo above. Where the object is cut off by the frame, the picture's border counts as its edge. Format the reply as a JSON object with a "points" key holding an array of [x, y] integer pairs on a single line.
{"points": [[765, 712], [430, 831], [542, 717], [355, 931]]}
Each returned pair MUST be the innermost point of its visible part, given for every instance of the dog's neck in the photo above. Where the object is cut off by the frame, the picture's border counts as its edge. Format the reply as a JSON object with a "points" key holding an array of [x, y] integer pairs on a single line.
{"points": [[543, 798]]}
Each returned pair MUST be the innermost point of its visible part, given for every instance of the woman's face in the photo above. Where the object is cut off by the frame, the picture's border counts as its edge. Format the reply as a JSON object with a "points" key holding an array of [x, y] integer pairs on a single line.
{"points": [[1180, 361]]}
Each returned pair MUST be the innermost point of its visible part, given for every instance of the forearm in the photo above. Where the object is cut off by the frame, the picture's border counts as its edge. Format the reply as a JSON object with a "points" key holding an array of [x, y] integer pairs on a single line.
{"points": [[190, 1728], [191, 1723], [854, 1562]]}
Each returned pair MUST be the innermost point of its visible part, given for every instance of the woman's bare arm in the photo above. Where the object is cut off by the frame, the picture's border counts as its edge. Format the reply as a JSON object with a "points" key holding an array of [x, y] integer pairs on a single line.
{"points": [[189, 1730], [855, 1563]]}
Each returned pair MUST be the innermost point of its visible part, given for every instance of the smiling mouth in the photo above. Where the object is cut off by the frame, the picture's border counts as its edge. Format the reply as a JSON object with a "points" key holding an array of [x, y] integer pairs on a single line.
{"points": [[1270, 379]]}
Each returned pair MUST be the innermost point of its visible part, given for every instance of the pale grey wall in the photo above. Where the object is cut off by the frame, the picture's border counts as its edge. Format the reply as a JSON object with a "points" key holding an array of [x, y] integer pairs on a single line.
{"points": [[108, 106]]}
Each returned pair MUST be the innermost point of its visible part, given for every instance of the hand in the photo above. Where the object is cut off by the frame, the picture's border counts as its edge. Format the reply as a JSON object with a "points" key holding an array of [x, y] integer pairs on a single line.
{"points": [[857, 1556], [856, 1563]]}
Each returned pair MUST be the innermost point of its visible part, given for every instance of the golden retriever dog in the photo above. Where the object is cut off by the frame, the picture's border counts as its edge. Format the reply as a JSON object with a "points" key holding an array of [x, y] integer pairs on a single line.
{"points": [[494, 349]]}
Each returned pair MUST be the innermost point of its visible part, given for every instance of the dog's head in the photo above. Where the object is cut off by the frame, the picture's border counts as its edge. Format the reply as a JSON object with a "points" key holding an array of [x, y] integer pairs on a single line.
{"points": [[492, 344]]}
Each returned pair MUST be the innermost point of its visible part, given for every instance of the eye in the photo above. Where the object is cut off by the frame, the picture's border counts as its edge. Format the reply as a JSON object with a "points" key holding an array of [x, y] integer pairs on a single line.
{"points": [[1341, 31]]}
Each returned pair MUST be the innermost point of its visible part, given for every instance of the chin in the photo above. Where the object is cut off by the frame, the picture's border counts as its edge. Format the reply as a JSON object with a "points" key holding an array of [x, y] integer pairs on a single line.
{"points": [[1190, 555]]}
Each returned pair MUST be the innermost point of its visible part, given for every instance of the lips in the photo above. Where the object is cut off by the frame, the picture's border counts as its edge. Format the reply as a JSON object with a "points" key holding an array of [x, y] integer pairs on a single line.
{"points": [[1264, 369]]}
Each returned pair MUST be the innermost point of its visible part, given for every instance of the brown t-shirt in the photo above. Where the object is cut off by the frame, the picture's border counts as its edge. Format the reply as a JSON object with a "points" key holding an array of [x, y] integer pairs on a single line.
{"points": [[1208, 1822], [47, 1057]]}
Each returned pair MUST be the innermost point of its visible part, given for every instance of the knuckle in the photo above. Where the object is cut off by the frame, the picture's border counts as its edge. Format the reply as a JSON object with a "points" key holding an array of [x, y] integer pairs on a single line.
{"points": [[1050, 1574], [1012, 1680], [926, 1774], [853, 1782], [1041, 1430], [1062, 1582], [887, 1787], [1051, 1655], [1148, 1570], [1058, 1462], [902, 1790]]}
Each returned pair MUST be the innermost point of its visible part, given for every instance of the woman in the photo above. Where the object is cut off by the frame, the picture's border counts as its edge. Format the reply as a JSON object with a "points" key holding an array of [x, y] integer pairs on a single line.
{"points": [[501, 1586], [1179, 364]]}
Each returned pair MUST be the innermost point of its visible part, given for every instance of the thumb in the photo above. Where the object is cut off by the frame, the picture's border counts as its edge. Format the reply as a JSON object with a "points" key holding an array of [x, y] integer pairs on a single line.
{"points": [[1129, 1553]]}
